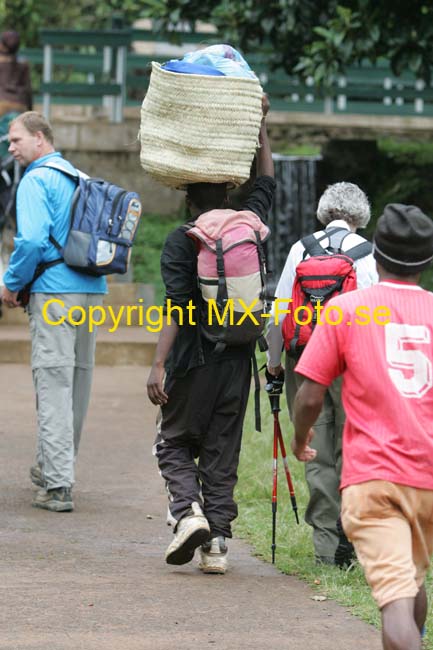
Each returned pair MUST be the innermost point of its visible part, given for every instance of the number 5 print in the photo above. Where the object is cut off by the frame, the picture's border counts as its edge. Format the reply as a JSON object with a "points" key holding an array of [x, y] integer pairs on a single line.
{"points": [[417, 379]]}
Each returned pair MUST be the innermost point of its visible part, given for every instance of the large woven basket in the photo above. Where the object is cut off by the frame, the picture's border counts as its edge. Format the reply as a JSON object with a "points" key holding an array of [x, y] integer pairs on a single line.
{"points": [[197, 128]]}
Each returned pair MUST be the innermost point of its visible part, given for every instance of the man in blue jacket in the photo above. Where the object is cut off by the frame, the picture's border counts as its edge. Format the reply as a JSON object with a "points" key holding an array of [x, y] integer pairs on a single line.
{"points": [[62, 354]]}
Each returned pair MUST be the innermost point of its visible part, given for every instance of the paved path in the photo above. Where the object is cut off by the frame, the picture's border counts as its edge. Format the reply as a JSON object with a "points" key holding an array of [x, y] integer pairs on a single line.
{"points": [[96, 578]]}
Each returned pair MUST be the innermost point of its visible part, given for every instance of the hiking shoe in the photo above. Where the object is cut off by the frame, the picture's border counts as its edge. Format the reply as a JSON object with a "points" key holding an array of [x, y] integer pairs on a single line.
{"points": [[57, 500], [36, 476], [213, 556], [191, 531], [345, 553], [171, 521]]}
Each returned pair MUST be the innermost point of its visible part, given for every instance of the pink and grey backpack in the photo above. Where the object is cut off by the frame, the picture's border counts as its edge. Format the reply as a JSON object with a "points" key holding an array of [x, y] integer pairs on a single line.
{"points": [[231, 269]]}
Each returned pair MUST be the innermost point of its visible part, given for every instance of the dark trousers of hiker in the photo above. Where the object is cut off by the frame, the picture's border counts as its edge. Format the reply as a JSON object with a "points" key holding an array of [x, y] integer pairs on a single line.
{"points": [[324, 472], [203, 420]]}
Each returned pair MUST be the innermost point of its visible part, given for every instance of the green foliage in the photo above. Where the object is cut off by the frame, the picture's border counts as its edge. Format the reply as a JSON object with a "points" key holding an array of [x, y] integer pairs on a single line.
{"points": [[366, 30], [408, 152], [279, 28], [403, 175], [146, 252], [315, 37], [309, 37], [29, 16]]}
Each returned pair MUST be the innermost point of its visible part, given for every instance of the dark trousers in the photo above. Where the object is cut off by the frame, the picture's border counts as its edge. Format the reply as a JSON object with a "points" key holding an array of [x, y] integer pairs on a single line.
{"points": [[324, 472], [203, 420]]}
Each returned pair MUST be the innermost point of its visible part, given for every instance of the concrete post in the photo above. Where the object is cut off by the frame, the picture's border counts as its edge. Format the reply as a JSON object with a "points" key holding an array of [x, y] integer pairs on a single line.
{"points": [[47, 77]]}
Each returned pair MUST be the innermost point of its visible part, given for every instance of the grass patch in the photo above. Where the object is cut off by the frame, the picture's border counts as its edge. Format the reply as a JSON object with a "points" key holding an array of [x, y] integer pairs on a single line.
{"points": [[294, 554], [146, 252]]}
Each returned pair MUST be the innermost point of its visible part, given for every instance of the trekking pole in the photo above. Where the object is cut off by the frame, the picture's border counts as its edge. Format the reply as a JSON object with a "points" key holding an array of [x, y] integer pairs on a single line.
{"points": [[274, 484], [274, 388], [286, 469]]}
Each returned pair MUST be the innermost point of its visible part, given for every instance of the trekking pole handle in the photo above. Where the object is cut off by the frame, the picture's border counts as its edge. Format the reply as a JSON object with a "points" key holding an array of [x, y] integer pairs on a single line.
{"points": [[274, 388]]}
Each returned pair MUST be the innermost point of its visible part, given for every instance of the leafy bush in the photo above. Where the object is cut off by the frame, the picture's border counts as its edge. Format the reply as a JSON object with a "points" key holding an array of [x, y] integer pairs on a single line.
{"points": [[152, 232]]}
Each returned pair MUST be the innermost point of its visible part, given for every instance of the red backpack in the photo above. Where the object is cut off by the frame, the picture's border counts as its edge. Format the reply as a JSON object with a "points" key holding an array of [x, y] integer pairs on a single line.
{"points": [[326, 273]]}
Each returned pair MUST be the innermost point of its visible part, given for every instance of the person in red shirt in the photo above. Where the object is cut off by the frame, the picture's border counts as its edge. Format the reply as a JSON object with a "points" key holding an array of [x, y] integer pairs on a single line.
{"points": [[380, 340]]}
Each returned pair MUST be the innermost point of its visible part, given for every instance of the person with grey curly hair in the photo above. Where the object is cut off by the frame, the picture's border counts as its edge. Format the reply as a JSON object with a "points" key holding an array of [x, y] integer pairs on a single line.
{"points": [[342, 209], [344, 201]]}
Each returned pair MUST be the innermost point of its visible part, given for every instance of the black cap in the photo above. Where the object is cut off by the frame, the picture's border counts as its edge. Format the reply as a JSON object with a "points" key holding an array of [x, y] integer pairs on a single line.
{"points": [[403, 240]]}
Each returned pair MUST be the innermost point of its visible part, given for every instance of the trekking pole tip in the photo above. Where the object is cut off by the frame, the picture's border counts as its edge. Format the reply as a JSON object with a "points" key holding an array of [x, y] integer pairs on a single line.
{"points": [[295, 508]]}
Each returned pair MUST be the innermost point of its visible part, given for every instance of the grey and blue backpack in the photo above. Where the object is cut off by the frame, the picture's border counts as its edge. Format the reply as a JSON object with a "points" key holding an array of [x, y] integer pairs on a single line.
{"points": [[103, 224]]}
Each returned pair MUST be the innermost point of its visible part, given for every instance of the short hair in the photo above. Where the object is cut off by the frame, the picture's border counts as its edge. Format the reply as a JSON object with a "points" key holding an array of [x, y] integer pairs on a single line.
{"points": [[207, 196], [11, 41], [344, 201], [34, 122]]}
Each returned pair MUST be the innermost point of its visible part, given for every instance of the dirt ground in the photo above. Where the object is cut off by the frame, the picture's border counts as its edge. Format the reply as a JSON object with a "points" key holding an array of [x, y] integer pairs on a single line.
{"points": [[96, 578]]}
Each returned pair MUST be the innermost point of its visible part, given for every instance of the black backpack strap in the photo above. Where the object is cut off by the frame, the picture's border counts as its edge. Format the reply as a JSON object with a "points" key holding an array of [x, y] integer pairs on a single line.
{"points": [[257, 414], [312, 244], [264, 275], [24, 293], [222, 295], [359, 251], [295, 339], [41, 268], [262, 256], [187, 226], [56, 244]]}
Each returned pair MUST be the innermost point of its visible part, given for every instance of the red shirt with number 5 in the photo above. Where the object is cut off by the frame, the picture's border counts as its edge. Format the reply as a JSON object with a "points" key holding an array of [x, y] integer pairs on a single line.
{"points": [[387, 381]]}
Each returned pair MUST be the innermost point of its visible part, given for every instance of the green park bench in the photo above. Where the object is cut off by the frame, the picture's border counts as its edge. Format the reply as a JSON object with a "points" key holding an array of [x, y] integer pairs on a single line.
{"points": [[111, 46], [90, 67]]}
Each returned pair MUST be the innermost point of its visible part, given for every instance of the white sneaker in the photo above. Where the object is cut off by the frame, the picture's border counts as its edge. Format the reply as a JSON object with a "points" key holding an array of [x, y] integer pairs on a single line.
{"points": [[213, 556], [171, 521], [190, 532]]}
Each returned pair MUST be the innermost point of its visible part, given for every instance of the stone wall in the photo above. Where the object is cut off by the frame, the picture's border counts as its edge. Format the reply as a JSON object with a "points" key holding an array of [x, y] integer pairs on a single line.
{"points": [[112, 152], [123, 168]]}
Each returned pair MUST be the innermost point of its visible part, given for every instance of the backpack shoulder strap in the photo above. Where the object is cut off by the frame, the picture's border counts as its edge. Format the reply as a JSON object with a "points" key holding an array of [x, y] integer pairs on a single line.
{"points": [[187, 226], [356, 252], [312, 244], [336, 237], [53, 165], [56, 244], [74, 176], [40, 269], [359, 251]]}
